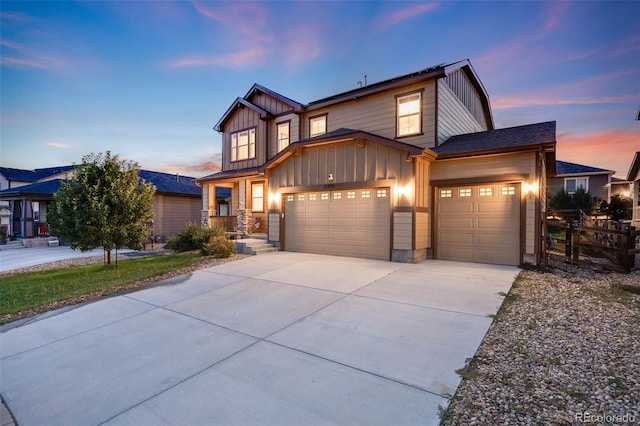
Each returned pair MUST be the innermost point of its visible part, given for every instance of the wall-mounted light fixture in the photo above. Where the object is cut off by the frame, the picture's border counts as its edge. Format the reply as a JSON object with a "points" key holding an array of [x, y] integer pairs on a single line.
{"points": [[330, 177], [530, 188]]}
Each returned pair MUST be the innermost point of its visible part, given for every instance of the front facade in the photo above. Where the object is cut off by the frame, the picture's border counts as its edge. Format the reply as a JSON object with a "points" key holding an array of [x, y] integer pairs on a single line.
{"points": [[385, 172]]}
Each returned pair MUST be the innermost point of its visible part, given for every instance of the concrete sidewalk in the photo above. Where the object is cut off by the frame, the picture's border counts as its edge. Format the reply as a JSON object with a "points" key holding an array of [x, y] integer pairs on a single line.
{"points": [[22, 258], [282, 338]]}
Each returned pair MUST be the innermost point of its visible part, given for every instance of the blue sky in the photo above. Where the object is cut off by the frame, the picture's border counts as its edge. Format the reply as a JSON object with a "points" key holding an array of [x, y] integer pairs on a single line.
{"points": [[148, 80]]}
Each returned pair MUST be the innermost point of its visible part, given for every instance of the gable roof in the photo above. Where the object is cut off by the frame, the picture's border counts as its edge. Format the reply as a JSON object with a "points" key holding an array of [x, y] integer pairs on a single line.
{"points": [[634, 168], [240, 103], [340, 135], [257, 88], [496, 141], [32, 175], [566, 168]]}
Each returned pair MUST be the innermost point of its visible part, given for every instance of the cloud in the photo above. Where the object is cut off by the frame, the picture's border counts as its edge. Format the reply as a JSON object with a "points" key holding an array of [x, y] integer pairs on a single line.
{"points": [[581, 92], [58, 145], [196, 169], [401, 15], [24, 57], [254, 56], [557, 14], [15, 16], [621, 145]]}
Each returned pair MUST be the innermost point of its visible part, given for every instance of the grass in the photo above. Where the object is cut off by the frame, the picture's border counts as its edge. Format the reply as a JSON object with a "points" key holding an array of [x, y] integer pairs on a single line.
{"points": [[36, 289]]}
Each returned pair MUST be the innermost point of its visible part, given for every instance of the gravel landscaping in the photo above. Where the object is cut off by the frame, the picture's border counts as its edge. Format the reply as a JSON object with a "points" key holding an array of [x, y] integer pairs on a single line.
{"points": [[564, 349]]}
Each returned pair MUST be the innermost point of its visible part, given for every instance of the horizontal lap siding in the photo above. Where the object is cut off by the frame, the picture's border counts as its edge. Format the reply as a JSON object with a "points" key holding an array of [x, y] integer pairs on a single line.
{"points": [[173, 213], [294, 131], [377, 114]]}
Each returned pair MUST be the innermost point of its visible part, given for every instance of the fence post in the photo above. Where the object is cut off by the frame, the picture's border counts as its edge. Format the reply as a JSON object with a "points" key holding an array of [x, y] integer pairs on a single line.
{"points": [[575, 240], [567, 242]]}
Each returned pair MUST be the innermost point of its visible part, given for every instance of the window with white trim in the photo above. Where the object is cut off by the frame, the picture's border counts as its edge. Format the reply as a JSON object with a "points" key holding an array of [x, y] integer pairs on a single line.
{"points": [[282, 130], [409, 113], [257, 197], [317, 126], [243, 145], [571, 185]]}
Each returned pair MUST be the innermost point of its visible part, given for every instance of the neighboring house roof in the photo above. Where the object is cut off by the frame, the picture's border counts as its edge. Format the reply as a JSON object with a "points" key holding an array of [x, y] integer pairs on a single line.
{"points": [[566, 168], [634, 168], [32, 175], [495, 141], [47, 187], [165, 183]]}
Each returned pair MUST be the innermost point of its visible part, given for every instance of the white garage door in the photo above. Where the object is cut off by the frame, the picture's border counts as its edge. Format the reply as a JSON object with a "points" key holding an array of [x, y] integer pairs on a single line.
{"points": [[346, 223], [479, 223]]}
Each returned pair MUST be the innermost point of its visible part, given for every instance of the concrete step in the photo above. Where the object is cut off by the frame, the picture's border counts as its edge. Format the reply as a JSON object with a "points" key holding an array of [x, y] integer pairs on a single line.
{"points": [[254, 246]]}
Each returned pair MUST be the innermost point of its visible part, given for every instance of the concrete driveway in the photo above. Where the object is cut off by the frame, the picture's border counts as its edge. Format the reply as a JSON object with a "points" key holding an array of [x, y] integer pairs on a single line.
{"points": [[276, 339]]}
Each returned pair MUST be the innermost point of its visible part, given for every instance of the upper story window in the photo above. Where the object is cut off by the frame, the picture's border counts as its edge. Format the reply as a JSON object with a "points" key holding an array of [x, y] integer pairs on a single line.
{"points": [[283, 135], [571, 185], [409, 114], [318, 125], [243, 145]]}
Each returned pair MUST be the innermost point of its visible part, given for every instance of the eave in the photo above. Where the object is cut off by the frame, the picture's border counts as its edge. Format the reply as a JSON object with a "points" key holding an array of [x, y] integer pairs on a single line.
{"points": [[241, 103]]}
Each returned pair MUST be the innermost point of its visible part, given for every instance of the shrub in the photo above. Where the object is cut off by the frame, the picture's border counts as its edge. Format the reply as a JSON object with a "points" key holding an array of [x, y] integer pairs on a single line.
{"points": [[194, 237], [219, 246]]}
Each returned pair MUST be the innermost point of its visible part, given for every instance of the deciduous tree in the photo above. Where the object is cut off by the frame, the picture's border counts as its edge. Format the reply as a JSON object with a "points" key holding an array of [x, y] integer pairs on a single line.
{"points": [[103, 204]]}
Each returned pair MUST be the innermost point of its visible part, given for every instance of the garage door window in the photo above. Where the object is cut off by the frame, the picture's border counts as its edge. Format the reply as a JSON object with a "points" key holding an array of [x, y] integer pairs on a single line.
{"points": [[381, 193], [313, 197], [351, 194], [365, 194], [508, 190], [324, 196], [465, 192], [486, 192], [289, 198], [337, 195], [446, 193]]}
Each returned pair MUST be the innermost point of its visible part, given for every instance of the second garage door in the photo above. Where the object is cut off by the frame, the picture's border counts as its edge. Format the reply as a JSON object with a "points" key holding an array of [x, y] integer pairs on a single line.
{"points": [[479, 223], [347, 223]]}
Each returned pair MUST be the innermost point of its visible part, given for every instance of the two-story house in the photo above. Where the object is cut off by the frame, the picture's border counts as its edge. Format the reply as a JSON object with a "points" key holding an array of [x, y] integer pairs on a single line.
{"points": [[405, 169]]}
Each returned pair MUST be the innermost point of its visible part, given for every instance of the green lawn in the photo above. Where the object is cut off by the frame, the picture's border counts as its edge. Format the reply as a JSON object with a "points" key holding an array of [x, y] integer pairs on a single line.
{"points": [[35, 289]]}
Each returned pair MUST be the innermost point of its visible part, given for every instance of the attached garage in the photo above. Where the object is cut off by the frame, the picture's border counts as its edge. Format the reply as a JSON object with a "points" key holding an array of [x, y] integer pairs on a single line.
{"points": [[352, 222], [479, 223]]}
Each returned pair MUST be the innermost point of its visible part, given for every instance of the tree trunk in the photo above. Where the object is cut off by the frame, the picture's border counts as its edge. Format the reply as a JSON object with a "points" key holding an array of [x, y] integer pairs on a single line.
{"points": [[109, 257]]}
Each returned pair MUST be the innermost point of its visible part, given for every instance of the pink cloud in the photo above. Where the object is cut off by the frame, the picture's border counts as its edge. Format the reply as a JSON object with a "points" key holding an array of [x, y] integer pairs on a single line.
{"points": [[23, 57], [249, 19], [557, 14], [392, 19], [611, 150], [239, 59]]}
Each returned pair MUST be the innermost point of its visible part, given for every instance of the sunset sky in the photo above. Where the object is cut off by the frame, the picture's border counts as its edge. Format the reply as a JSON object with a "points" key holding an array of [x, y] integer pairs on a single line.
{"points": [[148, 80]]}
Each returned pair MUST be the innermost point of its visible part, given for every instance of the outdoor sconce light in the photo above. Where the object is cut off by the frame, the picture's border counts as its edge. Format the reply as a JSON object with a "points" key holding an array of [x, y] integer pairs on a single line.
{"points": [[530, 188], [330, 178]]}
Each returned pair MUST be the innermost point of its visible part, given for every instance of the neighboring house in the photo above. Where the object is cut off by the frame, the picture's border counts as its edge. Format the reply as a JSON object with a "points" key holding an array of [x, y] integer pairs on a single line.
{"points": [[405, 169], [634, 176], [571, 176], [177, 200], [621, 187]]}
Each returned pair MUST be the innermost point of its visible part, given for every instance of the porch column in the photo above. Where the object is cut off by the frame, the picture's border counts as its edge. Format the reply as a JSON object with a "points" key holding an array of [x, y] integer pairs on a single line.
{"points": [[204, 213]]}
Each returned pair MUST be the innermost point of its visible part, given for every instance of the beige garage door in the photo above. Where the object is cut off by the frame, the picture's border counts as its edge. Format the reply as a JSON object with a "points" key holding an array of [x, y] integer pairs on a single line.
{"points": [[479, 223], [346, 223]]}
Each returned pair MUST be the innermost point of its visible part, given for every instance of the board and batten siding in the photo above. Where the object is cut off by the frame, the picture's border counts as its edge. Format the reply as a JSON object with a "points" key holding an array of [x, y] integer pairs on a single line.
{"points": [[347, 162], [242, 119], [172, 213], [453, 116], [377, 114], [271, 104], [422, 196]]}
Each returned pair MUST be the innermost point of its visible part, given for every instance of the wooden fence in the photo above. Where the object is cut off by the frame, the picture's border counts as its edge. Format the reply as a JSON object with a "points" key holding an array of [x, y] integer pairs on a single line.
{"points": [[611, 243], [229, 223]]}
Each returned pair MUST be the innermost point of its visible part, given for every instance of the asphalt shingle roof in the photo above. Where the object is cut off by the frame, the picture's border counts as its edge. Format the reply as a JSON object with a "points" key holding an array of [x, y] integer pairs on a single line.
{"points": [[500, 139], [566, 168], [32, 175]]}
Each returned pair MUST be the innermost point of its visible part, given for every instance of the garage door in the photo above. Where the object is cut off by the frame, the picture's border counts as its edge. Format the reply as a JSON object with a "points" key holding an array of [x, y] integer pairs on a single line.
{"points": [[479, 223], [346, 223]]}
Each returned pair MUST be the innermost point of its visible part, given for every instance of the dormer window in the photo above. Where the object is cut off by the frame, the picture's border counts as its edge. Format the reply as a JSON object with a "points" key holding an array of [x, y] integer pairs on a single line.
{"points": [[243, 144], [283, 135], [318, 125], [409, 113]]}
